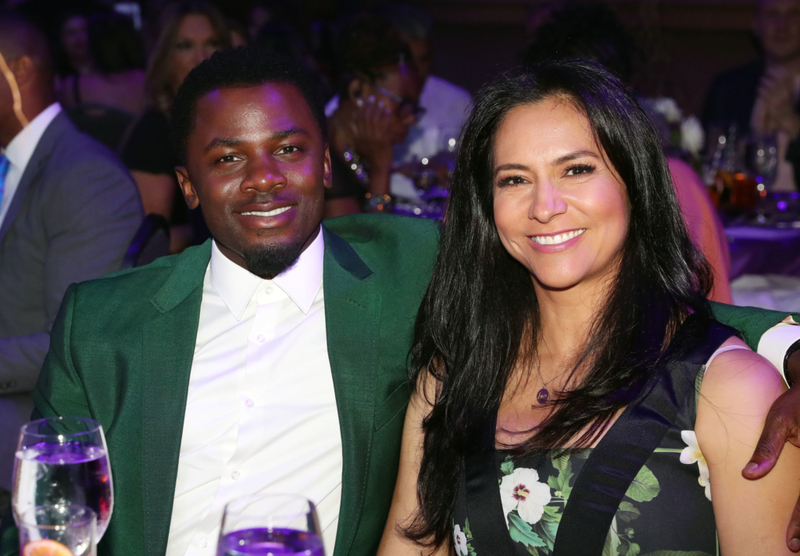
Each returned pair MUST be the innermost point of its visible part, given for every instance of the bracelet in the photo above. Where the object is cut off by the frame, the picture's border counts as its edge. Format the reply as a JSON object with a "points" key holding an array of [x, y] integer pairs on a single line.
{"points": [[789, 352], [379, 203]]}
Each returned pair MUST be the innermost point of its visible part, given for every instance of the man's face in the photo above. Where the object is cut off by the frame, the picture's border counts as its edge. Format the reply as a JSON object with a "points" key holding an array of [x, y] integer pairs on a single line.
{"points": [[257, 166], [778, 27]]}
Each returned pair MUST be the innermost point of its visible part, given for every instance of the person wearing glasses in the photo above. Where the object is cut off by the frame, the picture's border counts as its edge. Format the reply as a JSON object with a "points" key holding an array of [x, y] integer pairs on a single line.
{"points": [[379, 87]]}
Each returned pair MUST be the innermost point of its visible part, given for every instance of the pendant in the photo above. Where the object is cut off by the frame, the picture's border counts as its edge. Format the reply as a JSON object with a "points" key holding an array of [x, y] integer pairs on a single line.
{"points": [[542, 396]]}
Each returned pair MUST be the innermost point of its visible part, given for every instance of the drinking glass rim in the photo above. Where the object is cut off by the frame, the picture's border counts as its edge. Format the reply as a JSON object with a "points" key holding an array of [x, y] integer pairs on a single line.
{"points": [[82, 522], [250, 498], [97, 427]]}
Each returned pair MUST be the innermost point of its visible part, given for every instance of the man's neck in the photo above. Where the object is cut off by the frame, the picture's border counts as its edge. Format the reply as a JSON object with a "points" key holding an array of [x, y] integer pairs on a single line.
{"points": [[11, 125]]}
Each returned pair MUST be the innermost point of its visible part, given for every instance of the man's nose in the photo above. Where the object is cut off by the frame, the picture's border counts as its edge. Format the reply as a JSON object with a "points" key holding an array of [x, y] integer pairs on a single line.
{"points": [[546, 202], [264, 175]]}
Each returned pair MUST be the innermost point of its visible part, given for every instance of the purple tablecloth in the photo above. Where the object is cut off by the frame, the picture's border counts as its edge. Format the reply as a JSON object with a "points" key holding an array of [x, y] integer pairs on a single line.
{"points": [[764, 250]]}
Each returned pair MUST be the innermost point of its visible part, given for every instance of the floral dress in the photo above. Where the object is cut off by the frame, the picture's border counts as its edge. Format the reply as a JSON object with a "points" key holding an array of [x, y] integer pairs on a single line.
{"points": [[666, 510]]}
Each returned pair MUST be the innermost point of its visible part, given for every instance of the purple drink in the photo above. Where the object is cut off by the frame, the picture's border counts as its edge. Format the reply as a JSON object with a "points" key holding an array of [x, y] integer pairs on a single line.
{"points": [[270, 542], [69, 474]]}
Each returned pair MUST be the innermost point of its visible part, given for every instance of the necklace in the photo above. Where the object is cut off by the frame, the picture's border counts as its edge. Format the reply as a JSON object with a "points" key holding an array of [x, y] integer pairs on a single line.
{"points": [[544, 394]]}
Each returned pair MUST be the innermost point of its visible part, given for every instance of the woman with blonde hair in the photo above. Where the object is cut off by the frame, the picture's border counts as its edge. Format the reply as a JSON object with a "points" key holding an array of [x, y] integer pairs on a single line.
{"points": [[189, 32]]}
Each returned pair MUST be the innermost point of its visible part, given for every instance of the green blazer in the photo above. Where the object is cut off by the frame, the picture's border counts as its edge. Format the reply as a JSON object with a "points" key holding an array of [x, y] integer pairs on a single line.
{"points": [[122, 348]]}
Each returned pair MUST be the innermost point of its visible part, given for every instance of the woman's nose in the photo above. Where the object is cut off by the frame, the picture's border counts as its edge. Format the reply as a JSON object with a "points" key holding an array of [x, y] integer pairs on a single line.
{"points": [[546, 203]]}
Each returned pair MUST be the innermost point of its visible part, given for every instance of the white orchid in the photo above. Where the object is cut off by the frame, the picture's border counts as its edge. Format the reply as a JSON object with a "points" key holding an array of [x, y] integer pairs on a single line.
{"points": [[692, 454], [460, 541], [692, 136], [668, 108], [522, 491]]}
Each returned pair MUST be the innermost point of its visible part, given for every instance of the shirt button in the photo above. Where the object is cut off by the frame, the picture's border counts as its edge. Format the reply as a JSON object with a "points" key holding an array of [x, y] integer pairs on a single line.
{"points": [[235, 475], [268, 289], [203, 543], [249, 403], [261, 339]]}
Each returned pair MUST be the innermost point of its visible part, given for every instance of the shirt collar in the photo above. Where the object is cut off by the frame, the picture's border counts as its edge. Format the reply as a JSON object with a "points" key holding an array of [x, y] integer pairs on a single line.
{"points": [[20, 150], [301, 281]]}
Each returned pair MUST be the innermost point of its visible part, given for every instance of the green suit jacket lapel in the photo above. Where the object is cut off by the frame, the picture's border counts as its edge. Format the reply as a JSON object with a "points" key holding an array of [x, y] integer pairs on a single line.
{"points": [[167, 351], [352, 320]]}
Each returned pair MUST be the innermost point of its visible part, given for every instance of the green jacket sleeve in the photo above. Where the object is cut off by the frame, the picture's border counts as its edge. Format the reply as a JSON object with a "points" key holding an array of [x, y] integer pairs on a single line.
{"points": [[750, 321]]}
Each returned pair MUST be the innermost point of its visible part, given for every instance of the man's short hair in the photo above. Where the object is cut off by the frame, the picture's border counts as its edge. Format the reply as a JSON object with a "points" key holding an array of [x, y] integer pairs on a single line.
{"points": [[21, 37], [240, 67]]}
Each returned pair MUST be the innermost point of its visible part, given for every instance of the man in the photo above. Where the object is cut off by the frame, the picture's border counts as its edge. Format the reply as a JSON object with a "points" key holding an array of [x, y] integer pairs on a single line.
{"points": [[68, 211], [271, 359], [761, 97]]}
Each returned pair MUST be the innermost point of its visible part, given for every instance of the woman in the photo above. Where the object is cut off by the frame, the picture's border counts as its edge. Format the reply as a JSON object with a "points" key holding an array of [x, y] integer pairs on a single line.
{"points": [[559, 344], [379, 92], [190, 31]]}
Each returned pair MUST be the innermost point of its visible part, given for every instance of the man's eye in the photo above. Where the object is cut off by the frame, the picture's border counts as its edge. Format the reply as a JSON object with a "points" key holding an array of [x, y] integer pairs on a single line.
{"points": [[580, 169], [227, 158], [288, 149]]}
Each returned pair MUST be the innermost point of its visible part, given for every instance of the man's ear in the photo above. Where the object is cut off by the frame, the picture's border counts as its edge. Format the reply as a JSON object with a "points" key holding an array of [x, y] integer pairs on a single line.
{"points": [[185, 183], [24, 70], [327, 175]]}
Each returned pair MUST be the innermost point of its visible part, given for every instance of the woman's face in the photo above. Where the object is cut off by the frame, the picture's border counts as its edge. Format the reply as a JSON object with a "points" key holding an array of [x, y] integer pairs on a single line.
{"points": [[75, 37], [560, 208], [195, 41], [399, 91]]}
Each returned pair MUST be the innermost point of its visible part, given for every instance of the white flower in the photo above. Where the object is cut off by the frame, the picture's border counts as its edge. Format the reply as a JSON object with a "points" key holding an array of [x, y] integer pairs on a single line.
{"points": [[692, 136], [668, 108], [692, 454], [522, 491], [460, 541]]}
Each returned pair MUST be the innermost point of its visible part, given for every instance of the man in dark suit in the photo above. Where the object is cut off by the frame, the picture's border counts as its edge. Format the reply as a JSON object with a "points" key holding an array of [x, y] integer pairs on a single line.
{"points": [[304, 326], [68, 210]]}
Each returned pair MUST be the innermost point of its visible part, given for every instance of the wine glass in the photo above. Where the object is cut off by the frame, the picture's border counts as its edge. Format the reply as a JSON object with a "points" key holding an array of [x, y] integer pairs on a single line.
{"points": [[761, 158], [63, 461], [58, 531], [274, 524]]}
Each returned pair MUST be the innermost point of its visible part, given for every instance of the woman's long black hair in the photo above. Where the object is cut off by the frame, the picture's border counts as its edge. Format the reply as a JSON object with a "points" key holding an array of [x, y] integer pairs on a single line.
{"points": [[480, 315]]}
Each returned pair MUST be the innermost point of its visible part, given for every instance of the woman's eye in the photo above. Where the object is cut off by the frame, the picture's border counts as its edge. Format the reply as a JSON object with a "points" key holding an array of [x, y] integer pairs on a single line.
{"points": [[510, 180], [183, 45], [580, 169]]}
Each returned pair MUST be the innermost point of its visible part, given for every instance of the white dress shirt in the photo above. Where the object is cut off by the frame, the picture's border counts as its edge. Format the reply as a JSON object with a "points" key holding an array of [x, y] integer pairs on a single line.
{"points": [[20, 150], [261, 410]]}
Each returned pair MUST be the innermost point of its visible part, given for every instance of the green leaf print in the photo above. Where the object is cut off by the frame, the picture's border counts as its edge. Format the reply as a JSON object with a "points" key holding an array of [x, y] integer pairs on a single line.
{"points": [[627, 511], [551, 514], [644, 487], [564, 477], [522, 532], [507, 467], [612, 544], [547, 531], [633, 549], [559, 461], [553, 483]]}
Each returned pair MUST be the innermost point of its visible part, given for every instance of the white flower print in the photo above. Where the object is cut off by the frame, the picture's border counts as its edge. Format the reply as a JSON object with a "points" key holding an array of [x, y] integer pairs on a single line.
{"points": [[522, 491], [668, 108], [692, 454], [460, 541]]}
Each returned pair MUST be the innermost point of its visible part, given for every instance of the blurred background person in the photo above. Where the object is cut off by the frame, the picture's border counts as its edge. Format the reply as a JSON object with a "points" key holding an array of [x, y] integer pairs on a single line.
{"points": [[68, 212], [189, 31], [592, 30], [105, 102], [761, 97], [378, 100]]}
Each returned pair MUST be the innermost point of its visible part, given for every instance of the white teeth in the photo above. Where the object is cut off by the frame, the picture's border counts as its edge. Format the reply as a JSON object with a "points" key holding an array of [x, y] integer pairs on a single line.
{"points": [[560, 238], [275, 212]]}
